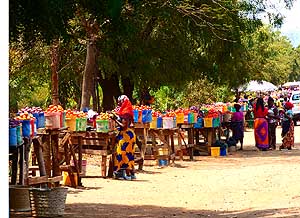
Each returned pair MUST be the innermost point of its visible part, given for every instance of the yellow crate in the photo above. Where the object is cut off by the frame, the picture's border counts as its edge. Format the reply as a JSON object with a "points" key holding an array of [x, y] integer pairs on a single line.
{"points": [[208, 122], [153, 124], [215, 151], [180, 118]]}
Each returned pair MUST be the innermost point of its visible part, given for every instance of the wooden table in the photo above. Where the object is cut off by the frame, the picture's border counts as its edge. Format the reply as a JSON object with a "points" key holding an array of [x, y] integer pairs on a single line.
{"points": [[167, 137], [190, 145], [141, 130], [91, 142], [19, 157], [210, 135]]}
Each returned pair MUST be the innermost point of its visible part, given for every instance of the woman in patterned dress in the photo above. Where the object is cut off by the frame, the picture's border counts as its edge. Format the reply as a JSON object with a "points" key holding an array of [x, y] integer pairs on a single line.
{"points": [[261, 125], [287, 127], [126, 139]]}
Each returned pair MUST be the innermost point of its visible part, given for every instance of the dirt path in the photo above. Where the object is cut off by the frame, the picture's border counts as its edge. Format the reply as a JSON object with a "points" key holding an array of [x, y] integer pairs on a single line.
{"points": [[243, 185]]}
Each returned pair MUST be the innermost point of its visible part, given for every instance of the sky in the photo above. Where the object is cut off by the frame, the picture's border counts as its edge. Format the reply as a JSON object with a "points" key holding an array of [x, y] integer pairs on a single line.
{"points": [[291, 22], [291, 25]]}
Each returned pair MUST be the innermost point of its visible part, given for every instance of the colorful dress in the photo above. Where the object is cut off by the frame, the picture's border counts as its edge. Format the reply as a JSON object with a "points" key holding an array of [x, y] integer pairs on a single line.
{"points": [[287, 130], [124, 153], [261, 129], [237, 126]]}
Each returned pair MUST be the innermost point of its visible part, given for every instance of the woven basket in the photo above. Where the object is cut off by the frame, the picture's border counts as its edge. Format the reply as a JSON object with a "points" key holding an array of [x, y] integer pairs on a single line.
{"points": [[48, 202], [19, 198]]}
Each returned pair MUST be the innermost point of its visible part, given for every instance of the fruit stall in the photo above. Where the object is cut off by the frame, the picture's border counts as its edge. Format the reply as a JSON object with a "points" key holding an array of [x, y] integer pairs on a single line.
{"points": [[65, 135]]}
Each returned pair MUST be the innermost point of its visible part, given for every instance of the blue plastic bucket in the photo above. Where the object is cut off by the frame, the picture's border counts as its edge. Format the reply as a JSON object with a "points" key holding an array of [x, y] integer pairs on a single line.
{"points": [[13, 139], [223, 151], [162, 162], [135, 116], [41, 120], [26, 128], [19, 135], [159, 122], [199, 123], [36, 116]]}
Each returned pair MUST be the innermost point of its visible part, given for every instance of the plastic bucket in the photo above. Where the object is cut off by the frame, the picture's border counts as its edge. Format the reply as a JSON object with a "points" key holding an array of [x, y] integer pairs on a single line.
{"points": [[81, 124], [153, 124], [199, 123], [135, 116], [13, 139], [67, 180], [71, 123], [52, 120], [33, 125], [102, 126], [180, 117], [162, 162], [83, 166], [37, 117], [208, 122], [215, 151], [41, 120], [159, 122], [191, 118], [19, 135], [26, 128], [168, 122], [223, 151]]}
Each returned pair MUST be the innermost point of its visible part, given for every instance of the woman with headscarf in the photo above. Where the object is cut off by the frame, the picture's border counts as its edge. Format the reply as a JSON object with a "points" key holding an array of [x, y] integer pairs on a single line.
{"points": [[261, 125], [237, 125], [287, 127], [126, 139]]}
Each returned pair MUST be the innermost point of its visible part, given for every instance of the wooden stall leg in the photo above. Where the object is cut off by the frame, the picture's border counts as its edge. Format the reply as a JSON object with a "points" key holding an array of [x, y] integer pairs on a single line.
{"points": [[79, 159], [172, 149], [21, 163], [55, 161], [103, 165], [39, 154], [14, 168], [191, 143], [179, 144], [110, 167]]}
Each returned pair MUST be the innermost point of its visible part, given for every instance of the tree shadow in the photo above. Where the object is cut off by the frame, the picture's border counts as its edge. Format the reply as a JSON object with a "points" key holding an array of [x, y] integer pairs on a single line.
{"points": [[84, 210]]}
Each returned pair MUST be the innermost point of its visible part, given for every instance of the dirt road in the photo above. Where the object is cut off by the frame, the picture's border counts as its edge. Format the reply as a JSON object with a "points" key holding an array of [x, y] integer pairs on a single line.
{"points": [[245, 184]]}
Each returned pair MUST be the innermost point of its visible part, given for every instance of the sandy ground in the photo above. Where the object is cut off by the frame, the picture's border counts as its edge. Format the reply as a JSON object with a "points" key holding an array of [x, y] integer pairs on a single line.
{"points": [[243, 184]]}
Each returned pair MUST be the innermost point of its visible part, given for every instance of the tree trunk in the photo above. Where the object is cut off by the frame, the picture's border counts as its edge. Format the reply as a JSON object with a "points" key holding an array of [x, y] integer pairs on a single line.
{"points": [[128, 87], [89, 74], [54, 74], [110, 88]]}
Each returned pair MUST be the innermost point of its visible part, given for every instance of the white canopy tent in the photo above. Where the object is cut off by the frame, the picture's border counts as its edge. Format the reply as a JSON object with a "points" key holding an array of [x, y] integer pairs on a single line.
{"points": [[258, 86], [291, 84]]}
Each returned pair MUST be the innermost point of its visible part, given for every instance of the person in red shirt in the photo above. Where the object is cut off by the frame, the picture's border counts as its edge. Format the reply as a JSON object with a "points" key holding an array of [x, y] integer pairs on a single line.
{"points": [[261, 125]]}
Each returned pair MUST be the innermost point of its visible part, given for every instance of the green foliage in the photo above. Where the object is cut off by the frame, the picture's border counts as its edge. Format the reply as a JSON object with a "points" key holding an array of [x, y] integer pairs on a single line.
{"points": [[167, 98]]}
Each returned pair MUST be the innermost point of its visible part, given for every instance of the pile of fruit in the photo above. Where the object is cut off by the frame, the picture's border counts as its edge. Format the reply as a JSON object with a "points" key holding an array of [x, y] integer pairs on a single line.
{"points": [[103, 116], [54, 108], [31, 110], [156, 114], [24, 116], [142, 107]]}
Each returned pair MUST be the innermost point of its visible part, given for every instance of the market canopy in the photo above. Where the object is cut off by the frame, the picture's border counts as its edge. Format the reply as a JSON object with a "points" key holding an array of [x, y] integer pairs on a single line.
{"points": [[291, 84], [258, 86]]}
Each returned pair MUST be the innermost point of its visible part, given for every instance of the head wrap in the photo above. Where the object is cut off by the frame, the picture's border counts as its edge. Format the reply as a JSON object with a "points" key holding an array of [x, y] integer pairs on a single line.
{"points": [[289, 105], [125, 106]]}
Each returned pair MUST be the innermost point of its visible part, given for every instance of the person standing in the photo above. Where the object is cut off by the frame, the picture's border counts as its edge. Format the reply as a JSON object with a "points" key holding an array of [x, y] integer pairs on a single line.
{"points": [[126, 140], [272, 118], [261, 125], [287, 127], [237, 125]]}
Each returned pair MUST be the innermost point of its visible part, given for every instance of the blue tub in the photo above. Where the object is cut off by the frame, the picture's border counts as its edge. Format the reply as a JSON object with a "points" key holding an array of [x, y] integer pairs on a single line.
{"points": [[223, 151], [26, 128], [13, 139], [159, 122]]}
